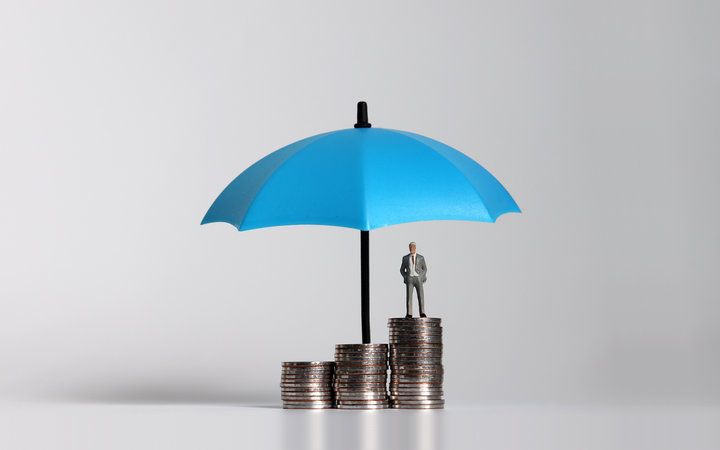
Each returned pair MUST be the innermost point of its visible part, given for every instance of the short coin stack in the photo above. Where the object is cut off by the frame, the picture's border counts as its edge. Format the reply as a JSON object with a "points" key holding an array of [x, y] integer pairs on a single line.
{"points": [[416, 375], [307, 384], [361, 376]]}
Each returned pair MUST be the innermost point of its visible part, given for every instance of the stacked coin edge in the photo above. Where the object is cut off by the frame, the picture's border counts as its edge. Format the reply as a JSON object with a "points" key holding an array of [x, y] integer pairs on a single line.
{"points": [[307, 384], [361, 376], [416, 370]]}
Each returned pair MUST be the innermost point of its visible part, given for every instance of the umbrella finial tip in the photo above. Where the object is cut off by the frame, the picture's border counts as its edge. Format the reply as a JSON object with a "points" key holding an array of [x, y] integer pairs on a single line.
{"points": [[362, 116]]}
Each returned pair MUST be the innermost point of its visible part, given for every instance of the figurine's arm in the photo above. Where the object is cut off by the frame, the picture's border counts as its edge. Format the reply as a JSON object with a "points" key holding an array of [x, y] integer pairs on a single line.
{"points": [[402, 270], [424, 270]]}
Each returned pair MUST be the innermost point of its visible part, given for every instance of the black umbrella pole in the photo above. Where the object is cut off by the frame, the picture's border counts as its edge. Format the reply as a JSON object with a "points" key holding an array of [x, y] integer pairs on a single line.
{"points": [[365, 284]]}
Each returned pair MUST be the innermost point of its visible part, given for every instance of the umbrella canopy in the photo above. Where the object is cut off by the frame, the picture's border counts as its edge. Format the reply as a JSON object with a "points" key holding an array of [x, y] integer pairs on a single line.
{"points": [[363, 178]]}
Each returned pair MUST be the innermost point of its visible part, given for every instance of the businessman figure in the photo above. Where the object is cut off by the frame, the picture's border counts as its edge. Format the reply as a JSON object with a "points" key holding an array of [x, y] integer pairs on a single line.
{"points": [[414, 270]]}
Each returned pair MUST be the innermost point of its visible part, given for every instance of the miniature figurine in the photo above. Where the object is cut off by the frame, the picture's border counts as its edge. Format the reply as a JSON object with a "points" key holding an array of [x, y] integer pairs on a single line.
{"points": [[414, 272]]}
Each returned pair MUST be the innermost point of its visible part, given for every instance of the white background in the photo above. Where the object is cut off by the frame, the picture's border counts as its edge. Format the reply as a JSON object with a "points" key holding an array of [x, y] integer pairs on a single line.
{"points": [[120, 122]]}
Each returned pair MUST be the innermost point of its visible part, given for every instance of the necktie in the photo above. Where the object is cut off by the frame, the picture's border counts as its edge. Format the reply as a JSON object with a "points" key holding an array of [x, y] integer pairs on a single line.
{"points": [[413, 257]]}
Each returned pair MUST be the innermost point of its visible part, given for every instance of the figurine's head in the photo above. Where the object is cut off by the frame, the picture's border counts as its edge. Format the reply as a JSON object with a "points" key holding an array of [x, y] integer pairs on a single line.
{"points": [[412, 247]]}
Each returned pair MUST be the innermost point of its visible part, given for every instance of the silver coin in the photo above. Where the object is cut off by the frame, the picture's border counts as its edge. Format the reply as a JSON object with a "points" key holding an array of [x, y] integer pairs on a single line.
{"points": [[395, 334], [415, 349], [361, 361], [362, 368], [357, 378], [371, 350], [361, 351], [373, 370], [385, 405], [430, 328], [362, 376], [418, 406], [436, 359], [407, 334], [306, 374], [306, 396], [341, 359], [302, 382], [361, 389], [291, 391], [417, 346], [327, 380], [419, 319], [362, 402], [419, 402], [416, 340], [307, 363], [395, 392], [297, 398], [309, 407], [360, 346], [414, 330], [361, 354], [416, 379], [351, 386], [307, 402], [416, 362], [309, 369], [318, 380], [312, 392], [366, 363], [361, 396], [305, 386], [319, 405], [417, 369]]}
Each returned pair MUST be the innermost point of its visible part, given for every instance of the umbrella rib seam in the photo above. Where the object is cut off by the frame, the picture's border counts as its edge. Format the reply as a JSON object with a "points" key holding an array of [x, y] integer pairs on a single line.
{"points": [[464, 176], [274, 172]]}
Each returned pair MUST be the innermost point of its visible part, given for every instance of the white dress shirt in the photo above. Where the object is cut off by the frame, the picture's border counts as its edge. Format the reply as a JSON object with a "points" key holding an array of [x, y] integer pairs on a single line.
{"points": [[413, 273]]}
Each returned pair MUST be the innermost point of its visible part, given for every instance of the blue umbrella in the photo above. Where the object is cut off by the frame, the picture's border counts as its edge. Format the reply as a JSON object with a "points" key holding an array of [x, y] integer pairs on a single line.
{"points": [[362, 178]]}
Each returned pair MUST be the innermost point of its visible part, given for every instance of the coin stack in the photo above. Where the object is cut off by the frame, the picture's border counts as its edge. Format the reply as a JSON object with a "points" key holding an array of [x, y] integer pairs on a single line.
{"points": [[416, 370], [361, 376], [307, 384]]}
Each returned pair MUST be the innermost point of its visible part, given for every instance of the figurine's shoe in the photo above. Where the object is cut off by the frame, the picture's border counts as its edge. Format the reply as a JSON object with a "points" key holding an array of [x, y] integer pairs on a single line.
{"points": [[408, 316], [423, 315]]}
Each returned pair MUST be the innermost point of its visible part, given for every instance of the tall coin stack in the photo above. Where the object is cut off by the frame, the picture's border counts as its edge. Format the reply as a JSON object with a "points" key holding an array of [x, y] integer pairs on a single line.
{"points": [[307, 384], [361, 376], [416, 370]]}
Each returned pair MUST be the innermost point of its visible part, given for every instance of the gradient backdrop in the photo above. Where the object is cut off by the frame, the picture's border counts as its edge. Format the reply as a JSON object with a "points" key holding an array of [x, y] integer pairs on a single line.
{"points": [[121, 121]]}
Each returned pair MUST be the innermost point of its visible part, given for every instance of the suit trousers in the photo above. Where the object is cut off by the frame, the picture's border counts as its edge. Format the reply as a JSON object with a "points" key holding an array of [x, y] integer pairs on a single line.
{"points": [[418, 285]]}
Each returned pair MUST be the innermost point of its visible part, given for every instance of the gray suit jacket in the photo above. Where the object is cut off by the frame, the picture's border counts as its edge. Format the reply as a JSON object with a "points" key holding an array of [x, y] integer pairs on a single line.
{"points": [[420, 267]]}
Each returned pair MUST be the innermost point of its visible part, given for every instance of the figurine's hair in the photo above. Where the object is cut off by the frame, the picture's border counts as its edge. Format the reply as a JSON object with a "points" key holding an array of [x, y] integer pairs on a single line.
{"points": [[412, 243]]}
